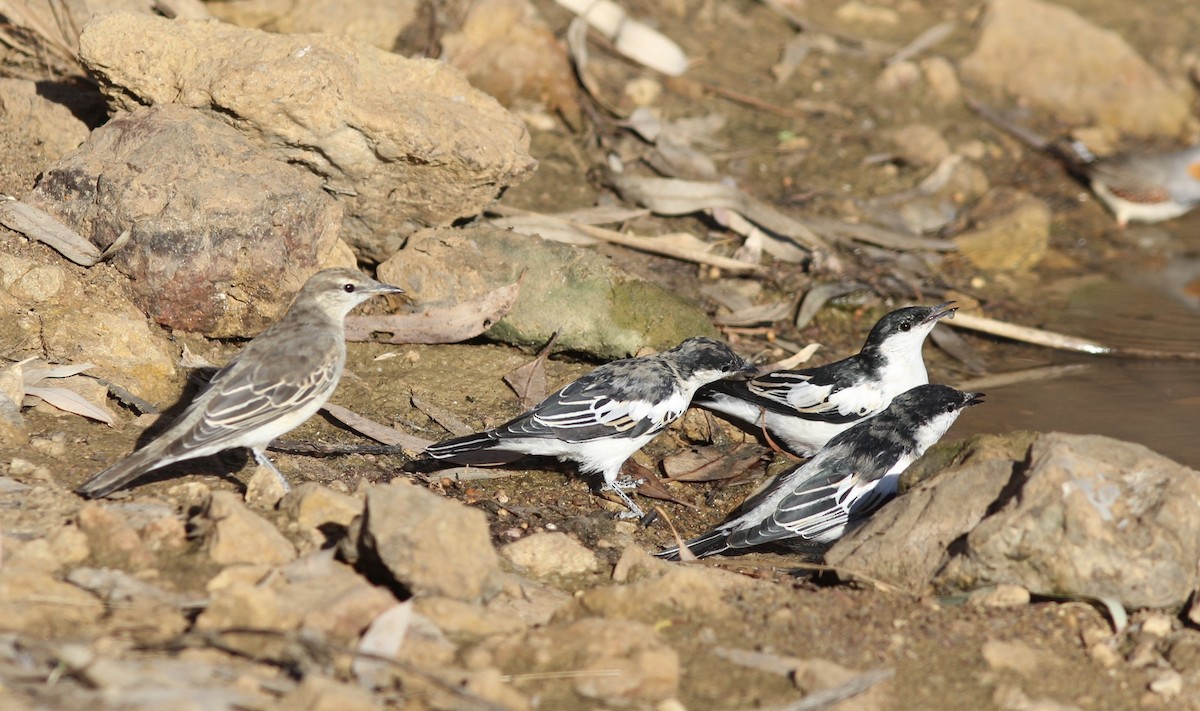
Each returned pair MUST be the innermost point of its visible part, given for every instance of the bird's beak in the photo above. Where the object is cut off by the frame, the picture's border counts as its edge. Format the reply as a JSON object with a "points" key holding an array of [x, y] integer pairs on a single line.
{"points": [[748, 370], [379, 287], [974, 399], [943, 310]]}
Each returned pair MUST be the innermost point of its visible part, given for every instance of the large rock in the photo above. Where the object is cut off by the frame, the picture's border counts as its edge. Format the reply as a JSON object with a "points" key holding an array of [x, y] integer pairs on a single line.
{"points": [[429, 544], [1068, 515], [1094, 517], [222, 236], [402, 143], [593, 306], [1060, 62], [376, 22], [947, 493], [506, 49]]}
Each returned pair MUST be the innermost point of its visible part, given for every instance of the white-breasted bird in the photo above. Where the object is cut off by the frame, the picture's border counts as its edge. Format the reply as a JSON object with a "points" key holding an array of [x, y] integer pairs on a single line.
{"points": [[602, 418], [812, 505], [804, 409], [279, 380]]}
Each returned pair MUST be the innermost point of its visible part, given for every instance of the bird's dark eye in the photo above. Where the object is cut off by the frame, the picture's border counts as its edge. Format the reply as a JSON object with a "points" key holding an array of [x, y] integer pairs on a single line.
{"points": [[950, 409], [348, 288], [906, 326]]}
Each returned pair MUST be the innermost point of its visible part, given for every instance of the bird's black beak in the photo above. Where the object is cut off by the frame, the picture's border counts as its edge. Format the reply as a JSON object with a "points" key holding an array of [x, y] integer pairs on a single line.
{"points": [[748, 371], [974, 399], [942, 310]]}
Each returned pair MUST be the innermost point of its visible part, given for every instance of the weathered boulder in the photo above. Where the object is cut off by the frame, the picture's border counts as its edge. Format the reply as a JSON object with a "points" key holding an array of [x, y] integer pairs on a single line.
{"points": [[1060, 62], [222, 236], [1067, 515], [402, 143], [376, 22], [594, 307]]}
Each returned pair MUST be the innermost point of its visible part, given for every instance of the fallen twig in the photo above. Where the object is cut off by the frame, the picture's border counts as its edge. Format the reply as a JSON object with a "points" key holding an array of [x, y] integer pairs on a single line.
{"points": [[643, 244], [1025, 334], [1003, 380], [922, 42]]}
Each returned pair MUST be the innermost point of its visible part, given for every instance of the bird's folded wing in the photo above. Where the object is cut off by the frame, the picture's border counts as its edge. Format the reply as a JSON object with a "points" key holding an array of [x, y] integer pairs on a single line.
{"points": [[818, 511], [578, 418], [236, 403], [811, 399]]}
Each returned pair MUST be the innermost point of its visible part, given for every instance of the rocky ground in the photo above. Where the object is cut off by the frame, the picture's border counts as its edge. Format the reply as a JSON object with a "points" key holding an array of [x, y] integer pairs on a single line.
{"points": [[1020, 570]]}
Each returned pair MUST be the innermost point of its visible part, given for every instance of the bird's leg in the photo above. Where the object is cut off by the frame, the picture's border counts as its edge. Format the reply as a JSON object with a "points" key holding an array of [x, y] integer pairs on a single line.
{"points": [[261, 457], [762, 425], [618, 487]]}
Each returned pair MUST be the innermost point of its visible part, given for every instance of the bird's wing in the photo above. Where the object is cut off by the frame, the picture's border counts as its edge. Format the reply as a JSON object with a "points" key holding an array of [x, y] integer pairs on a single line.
{"points": [[579, 413], [811, 396], [820, 507], [249, 393]]}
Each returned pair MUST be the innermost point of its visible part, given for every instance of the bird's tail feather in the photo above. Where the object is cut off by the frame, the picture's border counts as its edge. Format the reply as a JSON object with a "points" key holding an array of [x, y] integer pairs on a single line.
{"points": [[121, 474], [711, 543], [479, 449]]}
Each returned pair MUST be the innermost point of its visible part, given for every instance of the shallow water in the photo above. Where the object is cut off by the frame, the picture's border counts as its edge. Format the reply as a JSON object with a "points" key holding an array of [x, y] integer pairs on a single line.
{"points": [[1153, 402]]}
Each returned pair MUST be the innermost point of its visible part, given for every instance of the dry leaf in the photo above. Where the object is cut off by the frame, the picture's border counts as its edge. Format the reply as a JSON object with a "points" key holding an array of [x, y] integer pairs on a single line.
{"points": [[529, 381], [648, 244], [36, 224], [443, 417], [72, 402], [374, 430], [438, 325], [755, 315], [713, 463], [382, 641], [64, 399]]}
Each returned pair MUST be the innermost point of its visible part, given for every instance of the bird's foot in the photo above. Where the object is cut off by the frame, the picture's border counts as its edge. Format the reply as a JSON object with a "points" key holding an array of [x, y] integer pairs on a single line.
{"points": [[618, 487], [263, 461]]}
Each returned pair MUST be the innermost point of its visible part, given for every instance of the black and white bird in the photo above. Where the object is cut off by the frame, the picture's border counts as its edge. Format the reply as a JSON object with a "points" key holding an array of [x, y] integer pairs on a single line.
{"points": [[601, 419], [804, 409], [812, 505], [279, 380]]}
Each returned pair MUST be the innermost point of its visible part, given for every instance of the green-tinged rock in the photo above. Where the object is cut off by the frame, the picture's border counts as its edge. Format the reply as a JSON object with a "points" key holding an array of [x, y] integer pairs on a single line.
{"points": [[594, 307], [954, 453]]}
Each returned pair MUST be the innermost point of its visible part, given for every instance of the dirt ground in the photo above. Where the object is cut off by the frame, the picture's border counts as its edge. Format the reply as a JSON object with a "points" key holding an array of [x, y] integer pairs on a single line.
{"points": [[935, 645]]}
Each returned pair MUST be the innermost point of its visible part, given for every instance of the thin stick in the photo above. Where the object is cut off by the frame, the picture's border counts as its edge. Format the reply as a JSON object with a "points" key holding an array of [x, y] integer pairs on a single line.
{"points": [[641, 243], [1025, 334], [1003, 380], [923, 41]]}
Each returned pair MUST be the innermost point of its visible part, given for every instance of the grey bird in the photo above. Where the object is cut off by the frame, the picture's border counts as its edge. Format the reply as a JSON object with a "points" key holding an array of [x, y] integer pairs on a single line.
{"points": [[804, 409], [279, 380], [812, 505], [1140, 186], [601, 419]]}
